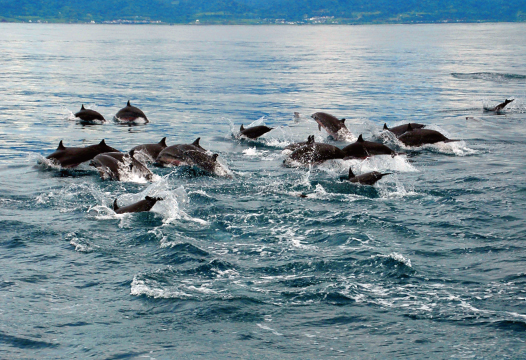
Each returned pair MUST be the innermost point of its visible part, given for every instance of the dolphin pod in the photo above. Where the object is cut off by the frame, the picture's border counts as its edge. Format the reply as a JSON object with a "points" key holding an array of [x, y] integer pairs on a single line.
{"points": [[115, 165]]}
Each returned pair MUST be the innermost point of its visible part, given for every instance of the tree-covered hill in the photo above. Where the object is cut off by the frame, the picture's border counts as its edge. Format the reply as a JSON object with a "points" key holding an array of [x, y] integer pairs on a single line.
{"points": [[264, 11]]}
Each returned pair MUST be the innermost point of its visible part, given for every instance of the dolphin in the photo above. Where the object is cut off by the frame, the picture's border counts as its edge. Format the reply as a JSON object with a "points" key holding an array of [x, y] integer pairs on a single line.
{"points": [[176, 155], [362, 149], [296, 146], [74, 156], [314, 153], [500, 107], [152, 150], [254, 132], [140, 206], [88, 115], [400, 129], [336, 128], [114, 165], [369, 178], [419, 137], [129, 113]]}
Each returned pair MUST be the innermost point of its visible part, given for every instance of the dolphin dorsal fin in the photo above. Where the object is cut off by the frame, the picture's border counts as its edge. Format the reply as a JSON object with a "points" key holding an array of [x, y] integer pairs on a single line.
{"points": [[342, 121], [214, 157], [115, 206], [351, 174], [360, 138], [149, 198], [102, 142], [128, 104], [310, 139], [409, 127], [82, 107], [241, 128], [132, 152], [385, 127], [196, 142], [61, 146], [163, 142]]}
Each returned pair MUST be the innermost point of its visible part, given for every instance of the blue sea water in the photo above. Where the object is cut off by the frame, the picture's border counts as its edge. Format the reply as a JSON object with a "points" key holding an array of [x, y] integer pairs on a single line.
{"points": [[430, 263]]}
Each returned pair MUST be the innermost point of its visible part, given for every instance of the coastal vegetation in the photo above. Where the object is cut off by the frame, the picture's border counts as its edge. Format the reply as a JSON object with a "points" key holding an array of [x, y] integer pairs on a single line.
{"points": [[261, 11]]}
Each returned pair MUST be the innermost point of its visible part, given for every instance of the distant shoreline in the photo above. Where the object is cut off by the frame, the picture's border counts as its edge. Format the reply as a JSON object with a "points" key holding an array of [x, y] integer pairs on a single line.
{"points": [[160, 23]]}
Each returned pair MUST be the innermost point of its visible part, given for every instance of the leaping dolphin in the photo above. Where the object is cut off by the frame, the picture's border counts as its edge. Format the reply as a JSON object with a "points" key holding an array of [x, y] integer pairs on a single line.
{"points": [[369, 178], [499, 107], [176, 155], [314, 153], [419, 137], [140, 206], [400, 129], [115, 165], [73, 156], [254, 132], [152, 150], [362, 149], [296, 146], [130, 113], [88, 115], [336, 128]]}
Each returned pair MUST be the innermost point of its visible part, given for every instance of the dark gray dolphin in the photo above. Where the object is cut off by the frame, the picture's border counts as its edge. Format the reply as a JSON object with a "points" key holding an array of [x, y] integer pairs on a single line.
{"points": [[152, 150], [314, 153], [419, 137], [296, 146], [499, 107], [114, 165], [139, 206], [369, 178], [362, 149], [176, 155], [336, 128], [88, 115], [130, 113], [74, 156], [254, 132], [400, 129]]}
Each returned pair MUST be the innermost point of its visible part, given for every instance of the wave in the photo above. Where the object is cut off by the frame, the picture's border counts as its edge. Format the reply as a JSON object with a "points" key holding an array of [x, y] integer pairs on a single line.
{"points": [[490, 76]]}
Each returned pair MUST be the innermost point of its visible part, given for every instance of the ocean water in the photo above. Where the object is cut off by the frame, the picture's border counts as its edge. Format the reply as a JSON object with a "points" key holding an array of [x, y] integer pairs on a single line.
{"points": [[430, 263]]}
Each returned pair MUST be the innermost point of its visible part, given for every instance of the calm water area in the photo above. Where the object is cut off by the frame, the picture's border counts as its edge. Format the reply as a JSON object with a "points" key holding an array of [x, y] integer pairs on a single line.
{"points": [[429, 263]]}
